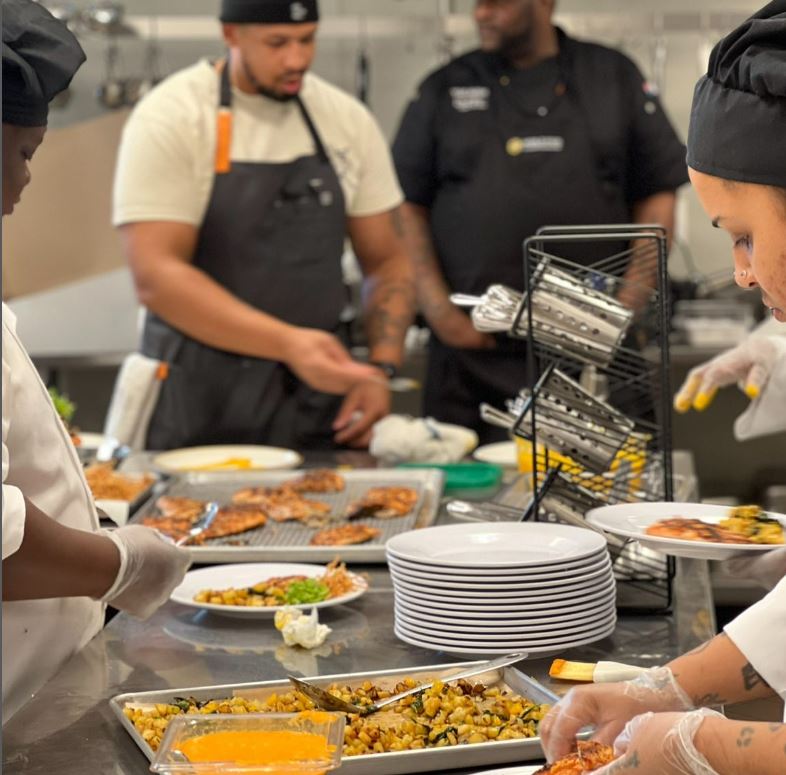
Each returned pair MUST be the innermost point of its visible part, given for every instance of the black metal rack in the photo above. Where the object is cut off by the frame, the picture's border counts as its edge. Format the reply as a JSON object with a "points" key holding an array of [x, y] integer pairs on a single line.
{"points": [[587, 450]]}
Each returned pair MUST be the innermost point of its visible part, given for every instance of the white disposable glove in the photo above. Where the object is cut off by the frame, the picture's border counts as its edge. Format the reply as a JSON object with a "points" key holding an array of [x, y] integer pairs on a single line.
{"points": [[660, 743], [768, 569], [151, 566], [749, 364], [608, 707]]}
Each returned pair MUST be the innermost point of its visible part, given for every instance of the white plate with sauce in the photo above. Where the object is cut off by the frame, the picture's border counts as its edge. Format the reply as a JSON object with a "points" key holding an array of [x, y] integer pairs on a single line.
{"points": [[219, 577], [632, 521], [227, 458]]}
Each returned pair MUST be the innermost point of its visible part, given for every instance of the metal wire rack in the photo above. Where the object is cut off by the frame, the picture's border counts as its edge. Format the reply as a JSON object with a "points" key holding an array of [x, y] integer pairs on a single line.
{"points": [[598, 414]]}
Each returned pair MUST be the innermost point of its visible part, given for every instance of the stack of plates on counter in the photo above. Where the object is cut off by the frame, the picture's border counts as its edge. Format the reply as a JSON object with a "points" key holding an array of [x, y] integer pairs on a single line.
{"points": [[495, 587]]}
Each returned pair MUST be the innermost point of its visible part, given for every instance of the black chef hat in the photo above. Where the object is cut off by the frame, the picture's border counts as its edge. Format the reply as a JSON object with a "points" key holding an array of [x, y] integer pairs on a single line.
{"points": [[269, 11], [40, 57], [738, 119]]}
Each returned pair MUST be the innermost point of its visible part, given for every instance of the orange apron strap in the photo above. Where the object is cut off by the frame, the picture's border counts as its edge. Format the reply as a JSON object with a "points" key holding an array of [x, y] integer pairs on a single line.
{"points": [[223, 162], [223, 141]]}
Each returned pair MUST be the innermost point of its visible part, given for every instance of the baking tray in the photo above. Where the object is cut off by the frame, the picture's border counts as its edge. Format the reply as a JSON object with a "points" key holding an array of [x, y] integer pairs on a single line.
{"points": [[395, 762], [288, 541]]}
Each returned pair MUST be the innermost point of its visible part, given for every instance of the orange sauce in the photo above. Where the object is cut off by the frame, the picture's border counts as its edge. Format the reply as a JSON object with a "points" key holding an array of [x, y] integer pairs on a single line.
{"points": [[260, 747]]}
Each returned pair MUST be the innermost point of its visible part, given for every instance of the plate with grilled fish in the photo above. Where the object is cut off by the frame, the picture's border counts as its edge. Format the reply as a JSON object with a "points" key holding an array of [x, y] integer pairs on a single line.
{"points": [[698, 530]]}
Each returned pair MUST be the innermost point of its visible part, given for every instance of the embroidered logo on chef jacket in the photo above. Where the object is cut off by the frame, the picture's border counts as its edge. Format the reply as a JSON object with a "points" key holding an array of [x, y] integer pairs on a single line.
{"points": [[537, 144], [298, 12], [468, 98]]}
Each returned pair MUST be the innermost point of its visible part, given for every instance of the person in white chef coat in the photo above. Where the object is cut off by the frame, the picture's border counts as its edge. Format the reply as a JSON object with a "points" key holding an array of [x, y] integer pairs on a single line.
{"points": [[59, 569], [660, 722]]}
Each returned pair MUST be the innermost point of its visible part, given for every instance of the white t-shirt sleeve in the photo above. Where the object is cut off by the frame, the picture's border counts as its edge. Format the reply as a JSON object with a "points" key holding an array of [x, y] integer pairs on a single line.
{"points": [[760, 633], [13, 500], [156, 177], [377, 190]]}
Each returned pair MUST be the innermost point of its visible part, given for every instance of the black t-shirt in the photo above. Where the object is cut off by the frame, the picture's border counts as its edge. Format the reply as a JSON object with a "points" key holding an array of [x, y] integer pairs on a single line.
{"points": [[629, 130]]}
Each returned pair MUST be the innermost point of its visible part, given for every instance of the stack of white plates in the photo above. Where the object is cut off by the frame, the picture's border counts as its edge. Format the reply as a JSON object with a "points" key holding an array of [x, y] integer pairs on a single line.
{"points": [[496, 587]]}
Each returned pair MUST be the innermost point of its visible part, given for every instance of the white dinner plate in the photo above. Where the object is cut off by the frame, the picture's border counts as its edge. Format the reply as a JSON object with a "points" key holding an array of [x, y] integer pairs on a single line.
{"points": [[457, 589], [246, 575], [513, 581], [530, 645], [481, 609], [524, 636], [481, 601], [496, 544], [503, 453], [494, 575], [632, 520], [523, 770], [523, 620], [218, 459], [527, 629]]}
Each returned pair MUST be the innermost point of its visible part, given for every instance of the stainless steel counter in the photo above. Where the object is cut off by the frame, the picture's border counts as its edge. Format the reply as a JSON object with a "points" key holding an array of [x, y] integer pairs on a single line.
{"points": [[69, 729]]}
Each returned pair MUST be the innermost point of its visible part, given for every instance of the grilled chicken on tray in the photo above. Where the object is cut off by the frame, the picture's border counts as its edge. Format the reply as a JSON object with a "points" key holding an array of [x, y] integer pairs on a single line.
{"points": [[282, 504], [384, 503], [344, 535]]}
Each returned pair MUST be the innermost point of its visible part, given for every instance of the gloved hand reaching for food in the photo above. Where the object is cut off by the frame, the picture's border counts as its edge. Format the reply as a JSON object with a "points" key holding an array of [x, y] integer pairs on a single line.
{"points": [[749, 364], [151, 566], [660, 743], [608, 707]]}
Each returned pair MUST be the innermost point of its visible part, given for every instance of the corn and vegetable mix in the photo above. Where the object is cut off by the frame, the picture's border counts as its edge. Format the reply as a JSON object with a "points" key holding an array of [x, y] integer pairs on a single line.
{"points": [[443, 715]]}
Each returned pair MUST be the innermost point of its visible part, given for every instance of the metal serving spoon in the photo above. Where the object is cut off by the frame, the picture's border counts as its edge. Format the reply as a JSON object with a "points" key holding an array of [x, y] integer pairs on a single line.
{"points": [[327, 701], [201, 524]]}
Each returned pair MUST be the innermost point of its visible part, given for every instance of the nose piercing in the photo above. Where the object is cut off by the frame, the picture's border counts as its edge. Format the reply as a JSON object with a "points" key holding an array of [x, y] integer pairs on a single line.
{"points": [[743, 274]]}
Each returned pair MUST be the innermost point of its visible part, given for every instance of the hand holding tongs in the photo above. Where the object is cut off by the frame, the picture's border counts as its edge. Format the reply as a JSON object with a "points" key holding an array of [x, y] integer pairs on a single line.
{"points": [[201, 524], [327, 701]]}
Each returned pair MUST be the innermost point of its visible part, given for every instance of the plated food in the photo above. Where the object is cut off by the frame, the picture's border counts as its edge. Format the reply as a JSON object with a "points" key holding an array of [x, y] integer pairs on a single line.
{"points": [[697, 530], [744, 525], [588, 757], [285, 590], [259, 590], [447, 714], [107, 484]]}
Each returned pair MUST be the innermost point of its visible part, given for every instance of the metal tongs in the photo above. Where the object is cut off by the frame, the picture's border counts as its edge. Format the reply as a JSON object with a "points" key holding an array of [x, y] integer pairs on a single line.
{"points": [[201, 524], [327, 701]]}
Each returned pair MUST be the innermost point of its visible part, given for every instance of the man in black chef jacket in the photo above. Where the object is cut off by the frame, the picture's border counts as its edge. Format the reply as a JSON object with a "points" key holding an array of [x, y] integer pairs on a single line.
{"points": [[531, 129]]}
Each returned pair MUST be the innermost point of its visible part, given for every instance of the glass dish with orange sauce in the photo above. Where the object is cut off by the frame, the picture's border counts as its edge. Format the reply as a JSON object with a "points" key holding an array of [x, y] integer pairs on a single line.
{"points": [[307, 743]]}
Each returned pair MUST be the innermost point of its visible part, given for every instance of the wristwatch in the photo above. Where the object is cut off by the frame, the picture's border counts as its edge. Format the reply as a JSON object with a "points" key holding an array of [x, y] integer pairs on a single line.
{"points": [[390, 369]]}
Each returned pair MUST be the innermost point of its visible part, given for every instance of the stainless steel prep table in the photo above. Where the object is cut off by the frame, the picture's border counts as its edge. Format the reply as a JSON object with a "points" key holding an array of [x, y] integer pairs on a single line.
{"points": [[69, 728]]}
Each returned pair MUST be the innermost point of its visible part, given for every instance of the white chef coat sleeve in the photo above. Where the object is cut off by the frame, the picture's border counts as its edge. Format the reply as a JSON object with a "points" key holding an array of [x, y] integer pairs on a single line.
{"points": [[13, 500], [760, 634], [767, 413]]}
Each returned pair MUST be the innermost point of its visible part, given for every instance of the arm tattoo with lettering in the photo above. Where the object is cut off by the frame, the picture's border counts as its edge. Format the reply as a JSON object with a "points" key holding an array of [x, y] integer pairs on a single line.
{"points": [[750, 677], [397, 219], [708, 700]]}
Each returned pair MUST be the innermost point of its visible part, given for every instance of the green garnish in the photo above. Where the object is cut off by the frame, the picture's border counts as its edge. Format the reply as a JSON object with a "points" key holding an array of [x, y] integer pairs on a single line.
{"points": [[64, 406], [306, 591]]}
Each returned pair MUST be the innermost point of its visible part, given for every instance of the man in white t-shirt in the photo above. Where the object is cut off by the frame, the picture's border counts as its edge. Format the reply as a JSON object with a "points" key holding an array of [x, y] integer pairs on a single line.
{"points": [[237, 183]]}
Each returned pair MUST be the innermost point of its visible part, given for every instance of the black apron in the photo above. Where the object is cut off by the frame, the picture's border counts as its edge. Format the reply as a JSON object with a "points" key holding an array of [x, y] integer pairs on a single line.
{"points": [[493, 195], [273, 235]]}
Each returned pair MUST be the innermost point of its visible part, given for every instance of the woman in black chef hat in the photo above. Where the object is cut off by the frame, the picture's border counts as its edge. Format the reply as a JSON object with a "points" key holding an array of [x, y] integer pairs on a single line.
{"points": [[59, 568], [659, 722]]}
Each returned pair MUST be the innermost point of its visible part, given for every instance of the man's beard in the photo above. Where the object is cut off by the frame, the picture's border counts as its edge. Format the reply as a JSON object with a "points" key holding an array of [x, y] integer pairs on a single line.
{"points": [[263, 90]]}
